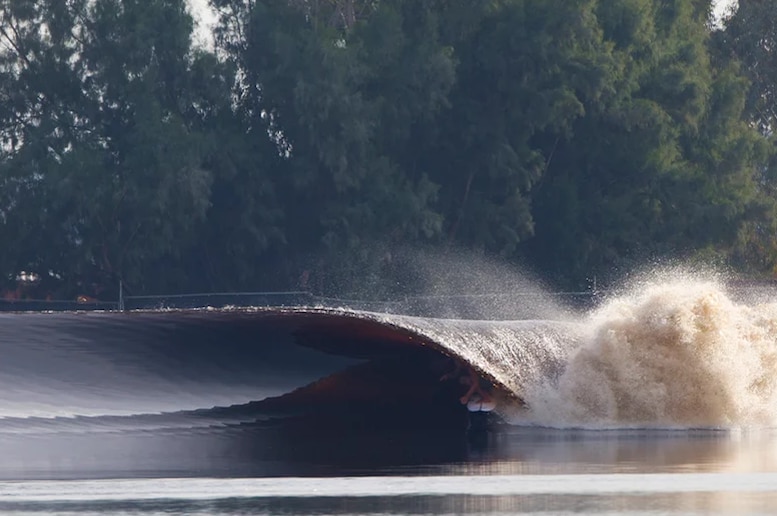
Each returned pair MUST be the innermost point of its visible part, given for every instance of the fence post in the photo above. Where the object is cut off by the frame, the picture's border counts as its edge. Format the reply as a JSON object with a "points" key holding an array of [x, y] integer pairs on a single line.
{"points": [[121, 296]]}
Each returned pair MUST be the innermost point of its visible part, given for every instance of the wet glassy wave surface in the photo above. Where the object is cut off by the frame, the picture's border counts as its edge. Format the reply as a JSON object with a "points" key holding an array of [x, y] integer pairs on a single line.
{"points": [[661, 400]]}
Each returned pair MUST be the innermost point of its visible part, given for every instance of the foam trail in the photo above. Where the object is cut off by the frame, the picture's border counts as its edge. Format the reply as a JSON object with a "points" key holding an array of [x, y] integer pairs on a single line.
{"points": [[678, 354]]}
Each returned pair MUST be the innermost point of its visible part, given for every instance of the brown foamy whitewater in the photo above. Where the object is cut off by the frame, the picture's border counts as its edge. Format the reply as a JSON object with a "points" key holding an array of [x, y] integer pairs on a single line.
{"points": [[679, 354]]}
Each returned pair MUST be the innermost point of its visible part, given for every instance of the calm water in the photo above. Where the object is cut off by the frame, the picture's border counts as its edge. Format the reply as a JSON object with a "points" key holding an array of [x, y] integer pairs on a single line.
{"points": [[529, 471]]}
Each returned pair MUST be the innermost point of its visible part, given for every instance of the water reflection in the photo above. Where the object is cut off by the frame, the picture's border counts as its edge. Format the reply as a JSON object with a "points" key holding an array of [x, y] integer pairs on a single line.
{"points": [[724, 502], [246, 450], [546, 451], [522, 471]]}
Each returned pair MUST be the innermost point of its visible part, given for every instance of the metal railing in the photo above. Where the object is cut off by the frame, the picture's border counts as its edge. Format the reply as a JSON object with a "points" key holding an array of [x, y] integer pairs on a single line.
{"points": [[54, 305], [413, 304], [422, 304], [217, 300]]}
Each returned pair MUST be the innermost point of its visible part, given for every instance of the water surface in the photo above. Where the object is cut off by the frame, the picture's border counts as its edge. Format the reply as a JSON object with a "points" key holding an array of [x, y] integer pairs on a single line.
{"points": [[663, 403]]}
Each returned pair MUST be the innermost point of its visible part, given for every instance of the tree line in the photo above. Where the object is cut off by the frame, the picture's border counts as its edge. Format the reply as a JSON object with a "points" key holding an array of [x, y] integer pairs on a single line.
{"points": [[319, 140]]}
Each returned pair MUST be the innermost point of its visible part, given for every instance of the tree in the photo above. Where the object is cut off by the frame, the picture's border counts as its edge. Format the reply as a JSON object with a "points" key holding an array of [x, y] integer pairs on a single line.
{"points": [[526, 70], [662, 167], [748, 43], [750, 36], [100, 155], [322, 136], [341, 103], [242, 229]]}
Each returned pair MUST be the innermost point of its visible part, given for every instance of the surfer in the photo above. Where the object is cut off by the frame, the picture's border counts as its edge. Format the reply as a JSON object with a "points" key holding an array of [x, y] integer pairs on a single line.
{"points": [[478, 396]]}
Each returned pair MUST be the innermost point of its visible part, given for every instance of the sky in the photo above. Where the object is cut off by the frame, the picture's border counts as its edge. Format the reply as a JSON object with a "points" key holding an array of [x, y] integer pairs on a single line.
{"points": [[721, 6], [205, 18]]}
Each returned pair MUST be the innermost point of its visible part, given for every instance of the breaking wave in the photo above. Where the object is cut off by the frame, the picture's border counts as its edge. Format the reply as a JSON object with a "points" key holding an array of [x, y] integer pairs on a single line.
{"points": [[677, 353], [680, 353]]}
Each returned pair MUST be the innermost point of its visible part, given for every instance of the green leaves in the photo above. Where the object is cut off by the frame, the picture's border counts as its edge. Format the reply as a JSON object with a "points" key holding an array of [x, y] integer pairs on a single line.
{"points": [[114, 170], [585, 137], [661, 165], [750, 36]]}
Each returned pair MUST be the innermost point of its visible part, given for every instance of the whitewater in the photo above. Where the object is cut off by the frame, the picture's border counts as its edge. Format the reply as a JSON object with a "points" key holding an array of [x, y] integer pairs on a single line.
{"points": [[679, 354]]}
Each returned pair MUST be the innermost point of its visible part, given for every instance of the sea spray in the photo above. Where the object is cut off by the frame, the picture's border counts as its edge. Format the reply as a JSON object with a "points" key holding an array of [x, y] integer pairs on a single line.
{"points": [[675, 354]]}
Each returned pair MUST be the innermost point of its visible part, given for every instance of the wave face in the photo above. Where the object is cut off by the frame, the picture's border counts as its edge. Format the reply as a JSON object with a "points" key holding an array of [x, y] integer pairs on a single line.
{"points": [[112, 365], [676, 354]]}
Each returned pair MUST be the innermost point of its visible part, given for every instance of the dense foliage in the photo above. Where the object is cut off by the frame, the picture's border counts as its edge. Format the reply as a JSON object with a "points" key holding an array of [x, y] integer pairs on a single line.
{"points": [[321, 139]]}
